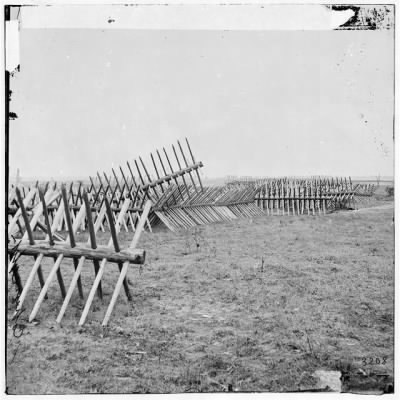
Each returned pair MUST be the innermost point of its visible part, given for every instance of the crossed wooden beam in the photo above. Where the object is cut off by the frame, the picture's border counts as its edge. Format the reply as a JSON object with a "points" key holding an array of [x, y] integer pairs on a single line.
{"points": [[121, 183], [59, 250], [213, 204]]}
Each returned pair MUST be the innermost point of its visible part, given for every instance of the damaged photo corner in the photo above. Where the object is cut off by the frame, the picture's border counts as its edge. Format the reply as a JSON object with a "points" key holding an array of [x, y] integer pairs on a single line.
{"points": [[199, 199]]}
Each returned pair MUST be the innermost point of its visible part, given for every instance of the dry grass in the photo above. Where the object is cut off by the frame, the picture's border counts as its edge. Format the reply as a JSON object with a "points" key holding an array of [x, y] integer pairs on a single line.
{"points": [[233, 306]]}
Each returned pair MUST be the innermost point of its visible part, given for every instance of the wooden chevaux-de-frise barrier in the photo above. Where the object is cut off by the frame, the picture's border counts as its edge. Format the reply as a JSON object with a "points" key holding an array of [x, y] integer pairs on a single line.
{"points": [[60, 212], [117, 186], [176, 191], [212, 204], [294, 196], [173, 195], [59, 248]]}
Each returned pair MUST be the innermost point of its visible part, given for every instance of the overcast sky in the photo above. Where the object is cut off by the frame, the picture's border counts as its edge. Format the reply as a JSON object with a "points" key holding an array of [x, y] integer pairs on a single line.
{"points": [[259, 103]]}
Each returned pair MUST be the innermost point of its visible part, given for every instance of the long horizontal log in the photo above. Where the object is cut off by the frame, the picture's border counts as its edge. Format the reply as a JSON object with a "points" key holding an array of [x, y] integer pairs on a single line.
{"points": [[12, 209], [133, 256], [176, 174]]}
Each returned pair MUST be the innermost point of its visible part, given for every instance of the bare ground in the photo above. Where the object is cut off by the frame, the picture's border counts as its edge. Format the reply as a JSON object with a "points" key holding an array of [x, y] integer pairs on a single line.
{"points": [[245, 306]]}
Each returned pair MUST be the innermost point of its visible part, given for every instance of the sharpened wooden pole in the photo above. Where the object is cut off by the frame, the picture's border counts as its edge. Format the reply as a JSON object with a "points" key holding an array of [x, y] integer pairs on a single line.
{"points": [[43, 292], [14, 268], [79, 269], [15, 218], [29, 226], [155, 168], [29, 281], [179, 166], [172, 171], [92, 238], [100, 272], [56, 265], [165, 173], [71, 288], [116, 245], [124, 270], [187, 165], [194, 162]]}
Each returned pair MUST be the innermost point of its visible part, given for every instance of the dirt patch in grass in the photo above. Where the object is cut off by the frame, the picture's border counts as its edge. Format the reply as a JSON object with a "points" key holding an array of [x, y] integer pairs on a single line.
{"points": [[244, 306]]}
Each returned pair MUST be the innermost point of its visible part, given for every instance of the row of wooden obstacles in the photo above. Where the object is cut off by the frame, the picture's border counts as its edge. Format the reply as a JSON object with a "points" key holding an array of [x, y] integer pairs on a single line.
{"points": [[181, 204], [58, 249], [118, 186], [298, 200], [212, 204], [176, 199], [179, 198], [342, 183], [60, 213], [116, 201], [294, 196]]}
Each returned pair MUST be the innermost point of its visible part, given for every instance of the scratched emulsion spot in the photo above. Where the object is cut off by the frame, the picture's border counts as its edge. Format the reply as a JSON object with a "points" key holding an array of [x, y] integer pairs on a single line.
{"points": [[368, 17], [12, 46]]}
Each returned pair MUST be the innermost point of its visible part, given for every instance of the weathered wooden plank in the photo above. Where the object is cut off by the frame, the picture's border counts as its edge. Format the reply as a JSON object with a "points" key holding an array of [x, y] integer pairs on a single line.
{"points": [[135, 256]]}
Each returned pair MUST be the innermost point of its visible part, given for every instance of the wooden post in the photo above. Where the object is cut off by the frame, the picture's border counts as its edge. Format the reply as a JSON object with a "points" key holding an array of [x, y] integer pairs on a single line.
{"points": [[124, 270], [96, 192], [54, 269], [149, 178], [179, 166], [80, 265], [129, 189], [116, 245], [172, 171], [14, 269], [187, 165], [36, 267], [155, 169], [92, 238], [15, 218], [71, 239], [194, 162], [138, 170], [135, 184], [103, 263]]}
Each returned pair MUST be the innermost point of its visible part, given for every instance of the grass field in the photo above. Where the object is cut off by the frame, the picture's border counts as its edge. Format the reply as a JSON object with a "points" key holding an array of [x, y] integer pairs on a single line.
{"points": [[244, 306]]}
